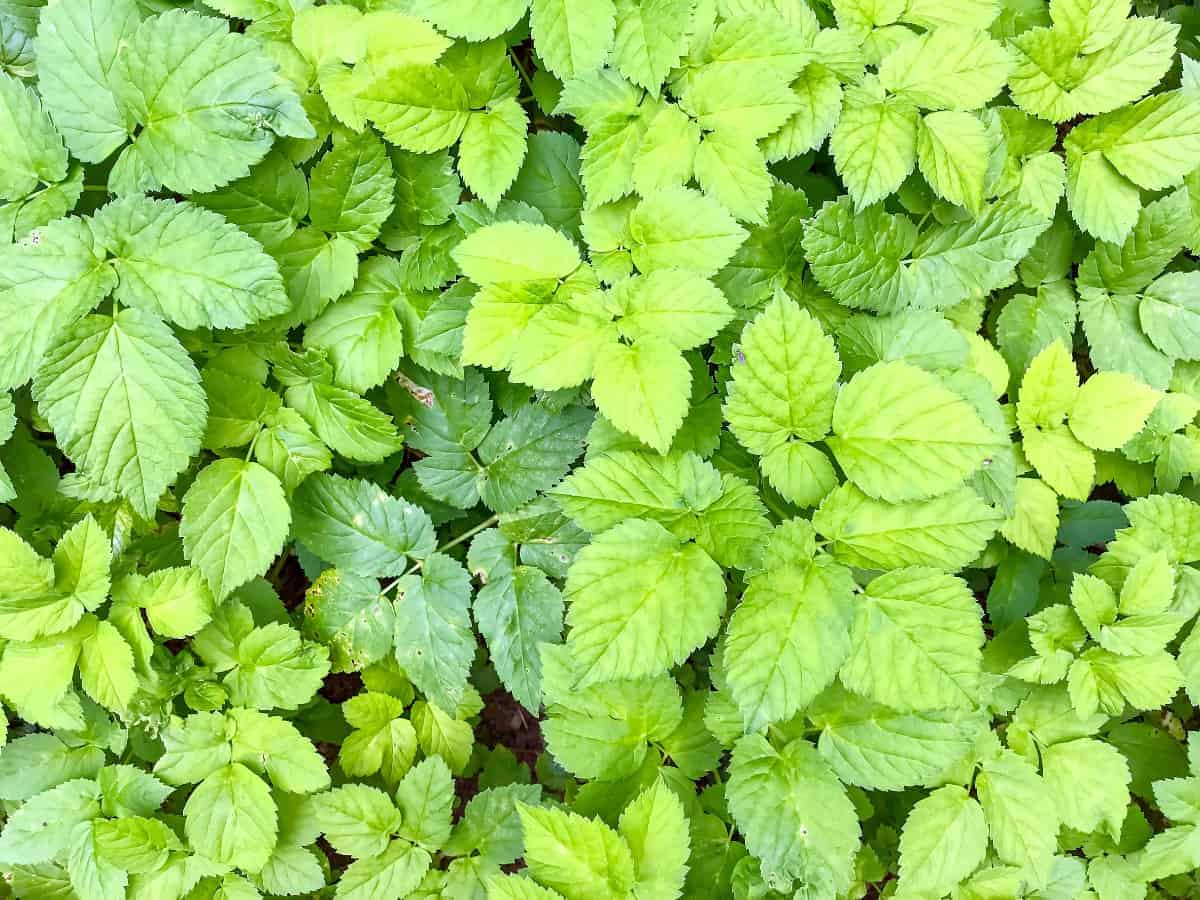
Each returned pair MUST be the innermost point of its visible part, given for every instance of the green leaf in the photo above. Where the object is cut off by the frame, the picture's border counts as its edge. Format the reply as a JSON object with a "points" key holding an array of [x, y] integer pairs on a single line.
{"points": [[899, 434], [789, 635], [198, 133], [235, 521], [643, 389], [1022, 817], [507, 252], [656, 830], [357, 820], [418, 107], [952, 150], [363, 337], [623, 595], [650, 38], [392, 875], [874, 142], [516, 610], [774, 796], [879, 261], [351, 189], [188, 265], [1110, 408], [106, 668], [946, 68], [47, 284], [1154, 143], [42, 828], [580, 858], [434, 641], [357, 526], [575, 36], [947, 532], [924, 623], [78, 44], [38, 154], [492, 149], [883, 749], [126, 404], [348, 423], [268, 204], [231, 818], [944, 840], [347, 613], [1169, 314], [684, 229], [784, 380]]}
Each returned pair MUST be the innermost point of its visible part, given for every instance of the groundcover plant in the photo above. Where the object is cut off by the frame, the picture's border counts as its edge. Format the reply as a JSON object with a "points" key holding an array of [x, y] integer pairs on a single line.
{"points": [[586, 449]]}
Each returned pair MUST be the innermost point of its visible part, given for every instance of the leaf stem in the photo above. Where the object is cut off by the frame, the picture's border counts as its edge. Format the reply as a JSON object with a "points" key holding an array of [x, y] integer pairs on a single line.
{"points": [[521, 69], [465, 536]]}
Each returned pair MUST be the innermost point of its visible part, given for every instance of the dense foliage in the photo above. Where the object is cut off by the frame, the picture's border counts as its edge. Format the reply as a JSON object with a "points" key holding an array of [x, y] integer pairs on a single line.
{"points": [[588, 449]]}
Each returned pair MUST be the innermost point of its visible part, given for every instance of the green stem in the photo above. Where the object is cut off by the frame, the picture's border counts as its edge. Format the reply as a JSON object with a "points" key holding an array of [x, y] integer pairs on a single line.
{"points": [[465, 536], [521, 69]]}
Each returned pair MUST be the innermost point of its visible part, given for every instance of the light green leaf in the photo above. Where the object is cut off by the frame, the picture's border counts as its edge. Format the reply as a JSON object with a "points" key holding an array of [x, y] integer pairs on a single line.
{"points": [[784, 379], [944, 840], [421, 108], [32, 149], [392, 875], [673, 304], [656, 829], [47, 282], [198, 133], [793, 812], [879, 748], [731, 168], [77, 46], [684, 229], [1110, 408], [1170, 314], [926, 624], [946, 68], [624, 595], [357, 820], [235, 521], [574, 36], [650, 37], [1089, 781], [952, 150], [1022, 817], [874, 143], [578, 857], [232, 819], [426, 800], [643, 388], [1123, 70], [126, 404], [492, 149], [788, 637], [900, 434], [507, 252], [947, 532], [106, 668], [188, 265]]}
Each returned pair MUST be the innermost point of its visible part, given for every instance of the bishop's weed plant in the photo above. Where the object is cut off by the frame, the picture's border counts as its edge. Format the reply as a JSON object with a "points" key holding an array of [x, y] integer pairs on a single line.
{"points": [[599, 449]]}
